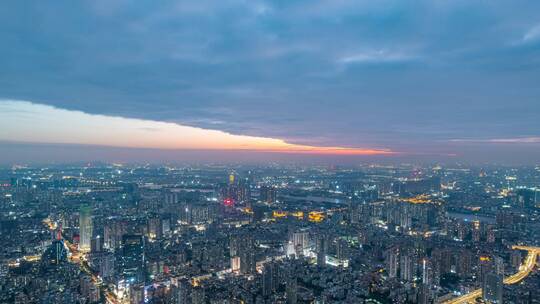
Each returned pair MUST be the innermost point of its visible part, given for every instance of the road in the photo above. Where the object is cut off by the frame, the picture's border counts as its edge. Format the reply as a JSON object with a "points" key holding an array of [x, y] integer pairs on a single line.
{"points": [[524, 270], [77, 257]]}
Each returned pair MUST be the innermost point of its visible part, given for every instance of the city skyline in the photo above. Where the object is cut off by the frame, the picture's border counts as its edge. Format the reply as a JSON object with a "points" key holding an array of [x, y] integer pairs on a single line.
{"points": [[270, 152]]}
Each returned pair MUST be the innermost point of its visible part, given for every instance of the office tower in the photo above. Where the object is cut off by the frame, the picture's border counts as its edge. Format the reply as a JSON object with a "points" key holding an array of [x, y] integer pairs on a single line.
{"points": [[492, 289], [55, 254], [85, 228], [133, 257]]}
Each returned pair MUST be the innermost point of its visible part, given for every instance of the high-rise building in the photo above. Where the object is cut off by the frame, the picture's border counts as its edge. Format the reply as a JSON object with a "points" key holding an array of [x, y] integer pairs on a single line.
{"points": [[292, 287], [492, 289], [246, 252], [89, 290], [515, 259], [96, 244], [427, 272], [181, 292], [300, 241], [86, 228], [112, 234], [269, 279], [133, 257], [464, 263], [342, 250], [155, 227], [171, 199], [393, 262], [322, 249], [106, 266], [498, 264], [198, 296], [268, 194], [424, 294], [406, 267]]}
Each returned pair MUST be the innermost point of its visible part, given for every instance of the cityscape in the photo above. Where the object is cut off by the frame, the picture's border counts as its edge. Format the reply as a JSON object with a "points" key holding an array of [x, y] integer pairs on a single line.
{"points": [[270, 152], [112, 233]]}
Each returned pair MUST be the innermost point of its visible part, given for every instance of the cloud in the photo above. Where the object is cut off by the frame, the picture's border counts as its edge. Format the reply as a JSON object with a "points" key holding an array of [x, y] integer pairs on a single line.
{"points": [[376, 56], [379, 74], [532, 34], [517, 140], [36, 123]]}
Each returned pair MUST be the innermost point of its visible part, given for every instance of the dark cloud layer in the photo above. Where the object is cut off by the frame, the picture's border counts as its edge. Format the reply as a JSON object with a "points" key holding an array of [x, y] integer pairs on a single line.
{"points": [[405, 75]]}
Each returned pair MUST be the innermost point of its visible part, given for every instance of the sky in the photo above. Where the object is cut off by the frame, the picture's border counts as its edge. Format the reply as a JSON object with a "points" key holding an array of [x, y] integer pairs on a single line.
{"points": [[449, 79]]}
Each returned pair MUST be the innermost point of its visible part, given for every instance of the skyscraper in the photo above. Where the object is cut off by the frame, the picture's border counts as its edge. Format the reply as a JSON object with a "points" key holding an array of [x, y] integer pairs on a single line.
{"points": [[86, 228], [269, 279], [292, 286], [133, 257], [322, 248]]}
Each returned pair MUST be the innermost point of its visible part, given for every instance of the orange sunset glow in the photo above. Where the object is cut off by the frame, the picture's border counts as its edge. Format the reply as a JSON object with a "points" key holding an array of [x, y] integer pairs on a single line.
{"points": [[29, 122]]}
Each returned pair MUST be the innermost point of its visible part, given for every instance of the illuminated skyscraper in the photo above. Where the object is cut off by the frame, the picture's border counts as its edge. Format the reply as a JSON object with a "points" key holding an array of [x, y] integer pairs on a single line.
{"points": [[86, 227]]}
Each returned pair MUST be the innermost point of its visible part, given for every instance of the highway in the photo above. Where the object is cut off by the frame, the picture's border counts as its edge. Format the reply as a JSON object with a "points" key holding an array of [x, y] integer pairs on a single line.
{"points": [[524, 270]]}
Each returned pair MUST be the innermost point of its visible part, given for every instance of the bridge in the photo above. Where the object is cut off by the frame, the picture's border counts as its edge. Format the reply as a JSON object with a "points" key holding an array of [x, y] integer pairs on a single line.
{"points": [[524, 270]]}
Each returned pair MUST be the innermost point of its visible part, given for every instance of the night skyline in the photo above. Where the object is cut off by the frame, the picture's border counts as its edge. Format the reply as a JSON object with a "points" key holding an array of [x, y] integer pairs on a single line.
{"points": [[450, 81], [270, 152]]}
